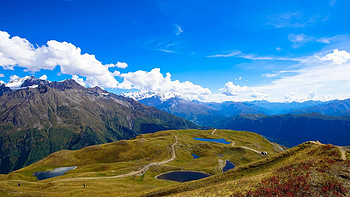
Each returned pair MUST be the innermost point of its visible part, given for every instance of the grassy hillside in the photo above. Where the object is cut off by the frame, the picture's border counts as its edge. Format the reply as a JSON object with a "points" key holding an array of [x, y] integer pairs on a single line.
{"points": [[310, 169], [97, 163]]}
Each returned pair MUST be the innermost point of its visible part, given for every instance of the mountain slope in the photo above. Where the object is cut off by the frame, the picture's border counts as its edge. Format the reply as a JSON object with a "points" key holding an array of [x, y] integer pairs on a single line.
{"points": [[205, 114], [101, 167], [293, 129], [332, 108], [309, 169], [48, 117], [195, 112]]}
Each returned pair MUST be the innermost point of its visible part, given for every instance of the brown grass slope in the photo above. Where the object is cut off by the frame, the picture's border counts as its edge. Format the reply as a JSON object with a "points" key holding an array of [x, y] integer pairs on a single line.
{"points": [[310, 169], [125, 156]]}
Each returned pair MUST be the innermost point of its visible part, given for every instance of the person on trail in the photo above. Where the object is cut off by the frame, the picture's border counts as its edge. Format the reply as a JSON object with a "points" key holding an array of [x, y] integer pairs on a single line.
{"points": [[84, 185]]}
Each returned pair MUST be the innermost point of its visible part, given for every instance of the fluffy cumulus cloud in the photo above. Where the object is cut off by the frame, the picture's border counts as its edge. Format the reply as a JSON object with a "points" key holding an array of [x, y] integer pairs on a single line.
{"points": [[292, 96], [16, 51], [328, 74], [244, 92], [337, 57], [154, 81]]}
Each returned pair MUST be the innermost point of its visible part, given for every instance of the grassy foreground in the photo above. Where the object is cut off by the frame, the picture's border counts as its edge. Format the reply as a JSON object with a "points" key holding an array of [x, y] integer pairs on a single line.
{"points": [[125, 156], [310, 169]]}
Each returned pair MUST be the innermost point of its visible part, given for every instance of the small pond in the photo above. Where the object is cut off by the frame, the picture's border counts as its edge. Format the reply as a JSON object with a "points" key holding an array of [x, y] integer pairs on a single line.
{"points": [[220, 155], [229, 165], [223, 141], [182, 176], [195, 156], [41, 175]]}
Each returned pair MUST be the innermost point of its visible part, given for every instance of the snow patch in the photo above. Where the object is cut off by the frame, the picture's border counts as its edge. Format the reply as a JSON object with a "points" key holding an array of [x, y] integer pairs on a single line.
{"points": [[147, 94]]}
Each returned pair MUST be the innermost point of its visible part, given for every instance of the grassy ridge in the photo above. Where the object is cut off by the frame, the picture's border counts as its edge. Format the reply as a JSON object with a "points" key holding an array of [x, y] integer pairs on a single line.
{"points": [[309, 169], [128, 155]]}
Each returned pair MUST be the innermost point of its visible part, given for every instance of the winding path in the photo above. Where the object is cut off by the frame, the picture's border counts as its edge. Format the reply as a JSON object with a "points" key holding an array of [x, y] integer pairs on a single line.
{"points": [[233, 144], [343, 153], [256, 151], [139, 172]]}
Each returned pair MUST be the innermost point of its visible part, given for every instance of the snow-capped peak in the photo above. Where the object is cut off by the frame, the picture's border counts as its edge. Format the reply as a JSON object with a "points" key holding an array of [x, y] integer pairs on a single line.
{"points": [[17, 83], [147, 94]]}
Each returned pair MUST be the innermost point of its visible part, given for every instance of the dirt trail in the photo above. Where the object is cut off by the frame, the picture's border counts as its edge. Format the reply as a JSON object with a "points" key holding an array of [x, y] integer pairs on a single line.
{"points": [[259, 152], [139, 172], [343, 153]]}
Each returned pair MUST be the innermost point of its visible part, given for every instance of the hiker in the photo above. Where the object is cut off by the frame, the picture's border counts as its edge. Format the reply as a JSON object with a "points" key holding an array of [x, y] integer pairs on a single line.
{"points": [[19, 184], [84, 185]]}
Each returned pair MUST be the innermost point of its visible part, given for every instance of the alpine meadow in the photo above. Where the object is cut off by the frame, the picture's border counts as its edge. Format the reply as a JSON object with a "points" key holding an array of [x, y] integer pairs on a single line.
{"points": [[174, 98]]}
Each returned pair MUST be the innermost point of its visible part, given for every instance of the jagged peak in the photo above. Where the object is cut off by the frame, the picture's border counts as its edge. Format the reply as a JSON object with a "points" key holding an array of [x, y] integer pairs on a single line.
{"points": [[17, 83], [66, 84], [140, 95]]}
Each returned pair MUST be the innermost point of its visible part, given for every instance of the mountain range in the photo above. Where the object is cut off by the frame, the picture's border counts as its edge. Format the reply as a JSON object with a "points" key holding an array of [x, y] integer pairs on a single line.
{"points": [[38, 117], [293, 129], [288, 123]]}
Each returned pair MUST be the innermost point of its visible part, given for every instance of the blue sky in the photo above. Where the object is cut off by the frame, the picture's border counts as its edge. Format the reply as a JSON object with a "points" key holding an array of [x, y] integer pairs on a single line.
{"points": [[213, 51]]}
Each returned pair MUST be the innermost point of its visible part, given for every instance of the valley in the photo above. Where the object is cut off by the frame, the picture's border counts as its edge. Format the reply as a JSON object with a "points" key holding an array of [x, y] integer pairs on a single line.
{"points": [[135, 163]]}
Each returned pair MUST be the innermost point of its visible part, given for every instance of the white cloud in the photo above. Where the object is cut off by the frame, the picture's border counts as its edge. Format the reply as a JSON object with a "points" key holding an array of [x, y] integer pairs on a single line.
{"points": [[166, 51], [20, 52], [118, 65], [239, 54], [269, 75], [79, 80], [178, 29], [324, 40], [44, 77], [154, 81], [2, 75], [299, 40], [243, 91], [292, 96], [229, 54], [328, 74], [337, 57], [292, 19], [116, 73]]}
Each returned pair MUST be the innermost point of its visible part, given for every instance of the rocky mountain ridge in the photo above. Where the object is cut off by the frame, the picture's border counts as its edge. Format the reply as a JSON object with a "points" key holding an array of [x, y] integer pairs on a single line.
{"points": [[42, 117]]}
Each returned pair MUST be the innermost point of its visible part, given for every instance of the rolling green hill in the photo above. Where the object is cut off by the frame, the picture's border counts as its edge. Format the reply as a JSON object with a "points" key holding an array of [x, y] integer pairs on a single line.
{"points": [[130, 168], [102, 167]]}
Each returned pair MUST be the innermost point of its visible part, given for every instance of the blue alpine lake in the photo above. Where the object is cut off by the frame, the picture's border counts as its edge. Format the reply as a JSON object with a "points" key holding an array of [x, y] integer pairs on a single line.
{"points": [[182, 176], [223, 141], [195, 156], [41, 175], [229, 165]]}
